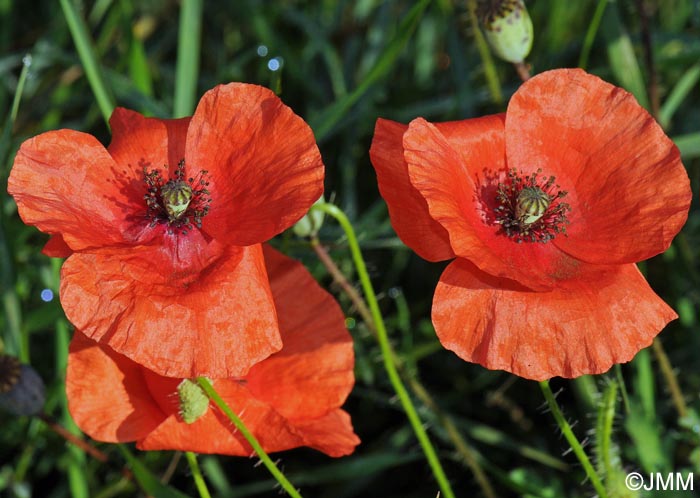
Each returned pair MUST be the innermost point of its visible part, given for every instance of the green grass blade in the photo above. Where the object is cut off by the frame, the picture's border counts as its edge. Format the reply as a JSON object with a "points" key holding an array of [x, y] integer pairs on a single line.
{"points": [[188, 47], [148, 482], [591, 32], [689, 145], [684, 86], [325, 122], [86, 52]]}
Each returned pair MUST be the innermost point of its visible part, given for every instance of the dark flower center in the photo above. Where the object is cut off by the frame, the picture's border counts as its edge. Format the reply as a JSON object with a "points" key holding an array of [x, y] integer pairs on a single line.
{"points": [[530, 209], [10, 369], [180, 202]]}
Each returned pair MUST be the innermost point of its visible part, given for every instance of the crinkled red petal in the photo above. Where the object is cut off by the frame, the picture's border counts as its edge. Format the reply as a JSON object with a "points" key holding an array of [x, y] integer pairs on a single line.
{"points": [[628, 190], [582, 327], [408, 209], [107, 393], [216, 323], [265, 169]]}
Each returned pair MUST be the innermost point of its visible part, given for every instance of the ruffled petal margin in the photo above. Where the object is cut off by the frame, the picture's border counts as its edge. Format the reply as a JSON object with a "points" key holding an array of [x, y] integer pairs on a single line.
{"points": [[218, 323], [265, 169], [408, 209], [580, 328], [632, 189], [65, 182]]}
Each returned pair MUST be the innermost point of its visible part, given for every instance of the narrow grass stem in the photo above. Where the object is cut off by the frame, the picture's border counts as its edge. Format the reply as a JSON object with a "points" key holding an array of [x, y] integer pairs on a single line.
{"points": [[463, 448], [670, 378], [86, 52], [197, 475], [591, 32], [187, 66], [240, 426], [571, 438], [485, 53], [385, 347]]}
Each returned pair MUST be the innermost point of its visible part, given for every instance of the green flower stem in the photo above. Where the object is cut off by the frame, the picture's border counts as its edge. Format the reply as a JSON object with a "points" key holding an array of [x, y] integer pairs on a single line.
{"points": [[197, 475], [240, 426], [387, 356], [187, 66], [460, 444], [485, 54], [571, 438], [86, 52]]}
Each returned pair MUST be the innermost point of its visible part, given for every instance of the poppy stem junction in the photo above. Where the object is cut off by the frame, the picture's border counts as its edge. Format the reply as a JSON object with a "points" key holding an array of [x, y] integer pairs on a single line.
{"points": [[264, 457], [566, 429], [385, 347]]}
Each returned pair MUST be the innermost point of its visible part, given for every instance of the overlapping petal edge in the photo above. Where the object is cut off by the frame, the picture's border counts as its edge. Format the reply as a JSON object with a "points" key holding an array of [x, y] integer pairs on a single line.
{"points": [[264, 171], [291, 399], [629, 196]]}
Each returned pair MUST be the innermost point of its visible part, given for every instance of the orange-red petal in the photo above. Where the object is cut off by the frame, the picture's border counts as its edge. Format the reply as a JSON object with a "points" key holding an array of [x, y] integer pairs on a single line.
{"points": [[632, 191], [317, 356], [65, 182], [408, 209], [56, 247], [583, 327], [107, 394], [265, 169], [218, 323], [458, 183], [139, 142]]}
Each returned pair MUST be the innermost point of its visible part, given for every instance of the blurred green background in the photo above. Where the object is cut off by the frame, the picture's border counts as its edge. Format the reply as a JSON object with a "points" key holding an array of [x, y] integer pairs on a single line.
{"points": [[340, 65]]}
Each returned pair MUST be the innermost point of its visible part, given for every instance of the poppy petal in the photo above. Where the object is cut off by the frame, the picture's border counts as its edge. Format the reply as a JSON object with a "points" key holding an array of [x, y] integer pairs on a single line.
{"points": [[317, 358], [408, 209], [140, 142], [617, 158], [265, 169], [218, 323], [65, 182], [332, 434], [580, 328], [100, 382], [56, 247], [454, 196]]}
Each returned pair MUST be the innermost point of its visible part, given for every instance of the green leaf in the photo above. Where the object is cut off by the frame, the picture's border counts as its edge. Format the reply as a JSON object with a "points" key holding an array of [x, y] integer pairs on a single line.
{"points": [[148, 482]]}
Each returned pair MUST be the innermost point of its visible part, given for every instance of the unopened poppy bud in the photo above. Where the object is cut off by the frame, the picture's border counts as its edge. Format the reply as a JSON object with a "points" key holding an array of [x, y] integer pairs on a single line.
{"points": [[194, 402], [22, 391], [508, 28], [312, 221]]}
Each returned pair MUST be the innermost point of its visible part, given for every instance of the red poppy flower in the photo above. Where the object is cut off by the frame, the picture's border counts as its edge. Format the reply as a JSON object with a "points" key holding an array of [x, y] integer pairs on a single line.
{"points": [[165, 226], [546, 208], [290, 399]]}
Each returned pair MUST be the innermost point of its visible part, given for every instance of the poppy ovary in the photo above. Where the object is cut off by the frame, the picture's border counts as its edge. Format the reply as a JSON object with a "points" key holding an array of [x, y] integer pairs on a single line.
{"points": [[530, 209], [181, 202], [22, 391]]}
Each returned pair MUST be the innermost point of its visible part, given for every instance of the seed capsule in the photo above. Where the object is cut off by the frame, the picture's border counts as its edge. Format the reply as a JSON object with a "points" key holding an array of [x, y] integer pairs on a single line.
{"points": [[176, 195], [531, 205], [508, 28]]}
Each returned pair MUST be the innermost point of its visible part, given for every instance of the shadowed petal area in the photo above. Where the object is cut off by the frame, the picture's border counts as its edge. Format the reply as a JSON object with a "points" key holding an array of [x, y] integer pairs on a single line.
{"points": [[56, 247], [317, 358], [407, 207], [265, 169], [107, 394], [217, 323], [65, 182], [580, 328], [452, 182], [633, 192]]}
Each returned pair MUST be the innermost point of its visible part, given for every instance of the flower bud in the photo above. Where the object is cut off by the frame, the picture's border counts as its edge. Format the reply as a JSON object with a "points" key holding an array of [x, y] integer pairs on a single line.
{"points": [[508, 28], [194, 402], [312, 221], [22, 391]]}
